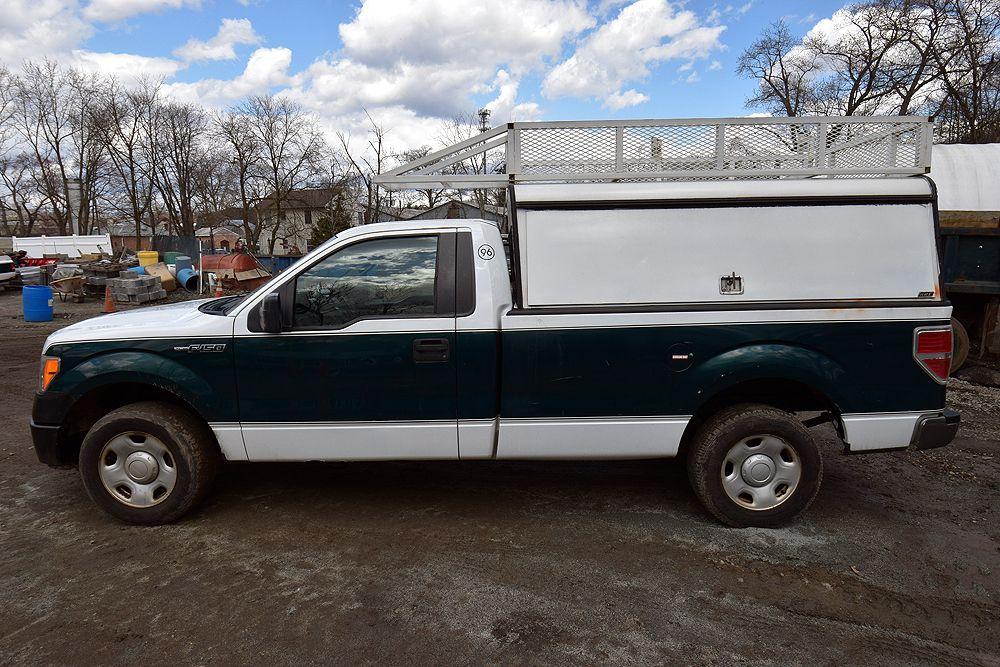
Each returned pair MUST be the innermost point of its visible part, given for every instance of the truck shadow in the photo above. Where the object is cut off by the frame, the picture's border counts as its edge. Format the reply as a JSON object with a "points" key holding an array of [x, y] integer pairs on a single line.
{"points": [[466, 486]]}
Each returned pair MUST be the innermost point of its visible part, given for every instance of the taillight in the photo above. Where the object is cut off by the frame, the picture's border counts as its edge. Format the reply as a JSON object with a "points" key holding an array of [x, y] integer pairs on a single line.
{"points": [[932, 350], [50, 368]]}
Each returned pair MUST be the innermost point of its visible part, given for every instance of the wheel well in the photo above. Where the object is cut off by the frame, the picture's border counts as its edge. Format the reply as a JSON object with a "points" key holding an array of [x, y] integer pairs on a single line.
{"points": [[787, 395], [100, 401]]}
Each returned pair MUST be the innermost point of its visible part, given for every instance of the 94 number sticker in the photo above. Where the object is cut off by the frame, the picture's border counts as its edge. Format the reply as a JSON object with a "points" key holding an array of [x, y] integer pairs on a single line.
{"points": [[486, 251]]}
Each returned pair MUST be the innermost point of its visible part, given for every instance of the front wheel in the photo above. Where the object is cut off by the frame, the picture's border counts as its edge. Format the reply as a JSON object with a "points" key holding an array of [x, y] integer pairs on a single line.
{"points": [[148, 463], [754, 465]]}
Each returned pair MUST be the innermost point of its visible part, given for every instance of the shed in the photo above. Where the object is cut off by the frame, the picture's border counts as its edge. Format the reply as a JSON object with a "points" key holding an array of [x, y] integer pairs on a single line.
{"points": [[968, 183]]}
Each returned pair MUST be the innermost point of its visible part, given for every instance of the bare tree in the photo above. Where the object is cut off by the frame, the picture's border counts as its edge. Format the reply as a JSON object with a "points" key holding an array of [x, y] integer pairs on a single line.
{"points": [[44, 116], [181, 148], [940, 57], [367, 164], [785, 72], [291, 149], [432, 196], [242, 149], [461, 128], [969, 57], [21, 200], [129, 134]]}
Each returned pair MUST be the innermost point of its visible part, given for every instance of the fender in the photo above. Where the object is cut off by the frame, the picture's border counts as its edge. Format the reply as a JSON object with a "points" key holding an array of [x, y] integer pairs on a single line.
{"points": [[210, 391], [770, 361]]}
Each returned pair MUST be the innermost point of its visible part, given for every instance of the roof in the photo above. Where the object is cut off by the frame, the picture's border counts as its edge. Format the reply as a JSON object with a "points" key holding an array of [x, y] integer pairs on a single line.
{"points": [[468, 210], [967, 176], [206, 232], [811, 187], [304, 198]]}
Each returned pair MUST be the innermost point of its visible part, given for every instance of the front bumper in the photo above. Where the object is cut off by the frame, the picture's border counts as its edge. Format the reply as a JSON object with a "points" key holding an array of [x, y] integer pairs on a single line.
{"points": [[47, 444], [935, 430], [47, 413]]}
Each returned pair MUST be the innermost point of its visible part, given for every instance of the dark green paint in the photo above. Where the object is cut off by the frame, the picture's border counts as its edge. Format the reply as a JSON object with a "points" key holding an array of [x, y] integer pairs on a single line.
{"points": [[860, 366], [358, 377], [204, 380], [478, 374]]}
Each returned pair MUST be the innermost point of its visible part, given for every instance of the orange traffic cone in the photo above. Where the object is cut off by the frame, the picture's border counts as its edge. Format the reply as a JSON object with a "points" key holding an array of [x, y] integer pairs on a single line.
{"points": [[218, 289], [109, 303]]}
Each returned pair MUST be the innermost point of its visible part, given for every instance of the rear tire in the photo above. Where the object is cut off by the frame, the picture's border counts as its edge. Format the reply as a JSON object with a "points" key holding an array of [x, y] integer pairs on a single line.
{"points": [[960, 338], [754, 465], [148, 463]]}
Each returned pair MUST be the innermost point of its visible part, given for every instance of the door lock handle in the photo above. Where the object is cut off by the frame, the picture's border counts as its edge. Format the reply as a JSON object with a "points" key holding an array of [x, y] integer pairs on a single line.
{"points": [[431, 350]]}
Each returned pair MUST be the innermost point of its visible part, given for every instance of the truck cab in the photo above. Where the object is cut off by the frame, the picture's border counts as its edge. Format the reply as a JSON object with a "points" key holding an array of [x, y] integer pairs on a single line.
{"points": [[715, 321]]}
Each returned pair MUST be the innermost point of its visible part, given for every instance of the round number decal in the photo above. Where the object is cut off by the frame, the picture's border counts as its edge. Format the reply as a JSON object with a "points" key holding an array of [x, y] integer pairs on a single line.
{"points": [[486, 251]]}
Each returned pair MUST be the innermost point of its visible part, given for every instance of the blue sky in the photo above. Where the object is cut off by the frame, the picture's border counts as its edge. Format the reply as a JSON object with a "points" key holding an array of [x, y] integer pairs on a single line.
{"points": [[411, 63]]}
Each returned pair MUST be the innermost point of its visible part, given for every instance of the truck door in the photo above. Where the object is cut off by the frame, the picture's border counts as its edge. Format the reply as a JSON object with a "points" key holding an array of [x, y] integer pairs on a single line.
{"points": [[364, 367]]}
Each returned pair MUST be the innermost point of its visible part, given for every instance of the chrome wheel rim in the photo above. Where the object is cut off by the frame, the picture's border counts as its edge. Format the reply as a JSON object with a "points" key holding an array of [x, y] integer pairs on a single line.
{"points": [[761, 472], [137, 469]]}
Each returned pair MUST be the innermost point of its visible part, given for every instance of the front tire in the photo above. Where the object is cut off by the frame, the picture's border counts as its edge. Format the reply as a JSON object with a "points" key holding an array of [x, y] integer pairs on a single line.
{"points": [[754, 465], [148, 463]]}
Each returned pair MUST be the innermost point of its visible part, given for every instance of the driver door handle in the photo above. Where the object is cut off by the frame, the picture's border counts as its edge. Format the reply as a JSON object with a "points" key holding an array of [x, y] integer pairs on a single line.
{"points": [[431, 350]]}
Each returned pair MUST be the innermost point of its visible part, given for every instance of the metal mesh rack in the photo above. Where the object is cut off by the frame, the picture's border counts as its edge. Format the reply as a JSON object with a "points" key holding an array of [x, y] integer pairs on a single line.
{"points": [[675, 149]]}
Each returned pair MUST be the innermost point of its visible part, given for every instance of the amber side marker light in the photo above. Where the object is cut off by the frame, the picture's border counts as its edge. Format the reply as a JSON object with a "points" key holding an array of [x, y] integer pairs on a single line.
{"points": [[50, 368]]}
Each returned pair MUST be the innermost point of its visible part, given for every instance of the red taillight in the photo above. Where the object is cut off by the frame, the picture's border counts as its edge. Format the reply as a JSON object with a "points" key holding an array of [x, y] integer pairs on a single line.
{"points": [[932, 350]]}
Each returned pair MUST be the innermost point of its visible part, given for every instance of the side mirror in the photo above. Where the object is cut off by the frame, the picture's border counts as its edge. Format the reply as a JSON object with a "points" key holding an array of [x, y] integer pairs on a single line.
{"points": [[270, 313]]}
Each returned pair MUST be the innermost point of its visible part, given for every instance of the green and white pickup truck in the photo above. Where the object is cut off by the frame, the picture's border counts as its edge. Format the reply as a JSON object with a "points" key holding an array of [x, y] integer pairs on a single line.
{"points": [[715, 320]]}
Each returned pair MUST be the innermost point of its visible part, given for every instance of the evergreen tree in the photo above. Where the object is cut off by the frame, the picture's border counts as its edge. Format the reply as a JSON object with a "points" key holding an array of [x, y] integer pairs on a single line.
{"points": [[327, 225]]}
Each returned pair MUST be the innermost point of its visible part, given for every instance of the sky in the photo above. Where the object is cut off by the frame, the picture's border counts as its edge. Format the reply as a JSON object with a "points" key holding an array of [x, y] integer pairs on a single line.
{"points": [[413, 63]]}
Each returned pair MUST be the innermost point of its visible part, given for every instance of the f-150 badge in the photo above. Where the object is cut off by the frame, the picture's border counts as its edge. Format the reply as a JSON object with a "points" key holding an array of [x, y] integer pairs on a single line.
{"points": [[201, 347]]}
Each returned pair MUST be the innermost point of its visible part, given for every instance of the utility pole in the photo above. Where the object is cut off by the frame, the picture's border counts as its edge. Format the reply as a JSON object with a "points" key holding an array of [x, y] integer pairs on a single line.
{"points": [[484, 126]]}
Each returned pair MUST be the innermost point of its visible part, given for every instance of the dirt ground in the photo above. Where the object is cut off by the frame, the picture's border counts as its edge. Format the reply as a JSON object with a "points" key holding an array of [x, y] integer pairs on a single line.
{"points": [[897, 561]]}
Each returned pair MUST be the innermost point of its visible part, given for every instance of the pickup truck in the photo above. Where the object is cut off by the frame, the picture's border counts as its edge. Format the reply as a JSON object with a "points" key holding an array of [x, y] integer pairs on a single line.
{"points": [[717, 321]]}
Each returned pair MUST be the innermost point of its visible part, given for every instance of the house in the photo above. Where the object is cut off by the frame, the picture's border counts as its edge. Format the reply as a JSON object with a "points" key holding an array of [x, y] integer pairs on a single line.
{"points": [[220, 237], [457, 209], [123, 235], [297, 212]]}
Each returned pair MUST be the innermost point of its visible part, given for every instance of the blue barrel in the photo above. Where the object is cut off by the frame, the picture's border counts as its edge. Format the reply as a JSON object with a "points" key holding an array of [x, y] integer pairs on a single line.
{"points": [[37, 301], [182, 262], [188, 278]]}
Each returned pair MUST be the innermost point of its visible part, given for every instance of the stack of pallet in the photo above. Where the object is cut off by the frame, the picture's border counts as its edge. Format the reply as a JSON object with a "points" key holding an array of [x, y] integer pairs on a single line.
{"points": [[131, 287]]}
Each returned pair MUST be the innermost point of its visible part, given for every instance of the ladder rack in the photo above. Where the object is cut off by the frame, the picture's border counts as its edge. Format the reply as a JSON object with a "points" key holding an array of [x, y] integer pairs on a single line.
{"points": [[675, 149]]}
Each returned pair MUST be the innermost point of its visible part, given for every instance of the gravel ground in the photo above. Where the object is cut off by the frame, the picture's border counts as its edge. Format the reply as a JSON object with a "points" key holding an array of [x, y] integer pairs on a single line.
{"points": [[898, 560]]}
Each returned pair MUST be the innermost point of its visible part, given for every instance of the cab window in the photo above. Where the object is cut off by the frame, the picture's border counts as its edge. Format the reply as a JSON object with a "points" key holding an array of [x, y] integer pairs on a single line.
{"points": [[389, 277]]}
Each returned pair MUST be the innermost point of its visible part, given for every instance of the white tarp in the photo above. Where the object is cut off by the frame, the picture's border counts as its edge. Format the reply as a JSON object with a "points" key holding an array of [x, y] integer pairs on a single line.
{"points": [[71, 246], [967, 176]]}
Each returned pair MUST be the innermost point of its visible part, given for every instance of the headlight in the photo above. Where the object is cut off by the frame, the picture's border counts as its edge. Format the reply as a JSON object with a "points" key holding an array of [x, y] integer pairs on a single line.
{"points": [[50, 368]]}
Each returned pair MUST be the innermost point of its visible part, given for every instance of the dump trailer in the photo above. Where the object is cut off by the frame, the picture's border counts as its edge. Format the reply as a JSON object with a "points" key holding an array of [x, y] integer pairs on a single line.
{"points": [[706, 289]]}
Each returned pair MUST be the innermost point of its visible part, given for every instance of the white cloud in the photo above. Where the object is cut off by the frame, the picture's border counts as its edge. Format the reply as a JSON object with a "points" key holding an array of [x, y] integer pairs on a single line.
{"points": [[108, 11], [40, 28], [644, 33], [716, 65], [126, 67], [629, 98], [222, 46], [428, 58], [384, 33], [265, 70]]}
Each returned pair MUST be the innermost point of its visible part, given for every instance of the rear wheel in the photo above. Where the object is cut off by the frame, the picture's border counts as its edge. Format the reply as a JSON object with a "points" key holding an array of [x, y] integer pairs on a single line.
{"points": [[148, 463], [754, 465]]}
